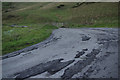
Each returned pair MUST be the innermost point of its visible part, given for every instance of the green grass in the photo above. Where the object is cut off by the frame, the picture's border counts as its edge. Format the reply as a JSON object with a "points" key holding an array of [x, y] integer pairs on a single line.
{"points": [[103, 13], [18, 38], [40, 16]]}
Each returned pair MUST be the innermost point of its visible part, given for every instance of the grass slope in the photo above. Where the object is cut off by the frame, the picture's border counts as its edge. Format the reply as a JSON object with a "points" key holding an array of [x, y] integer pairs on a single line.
{"points": [[42, 18]]}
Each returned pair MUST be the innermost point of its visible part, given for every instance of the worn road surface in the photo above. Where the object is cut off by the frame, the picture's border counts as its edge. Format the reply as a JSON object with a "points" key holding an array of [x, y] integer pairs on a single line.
{"points": [[67, 53]]}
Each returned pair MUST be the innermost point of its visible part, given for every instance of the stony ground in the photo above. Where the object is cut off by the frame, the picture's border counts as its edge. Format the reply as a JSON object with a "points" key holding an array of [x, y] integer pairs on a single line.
{"points": [[68, 53]]}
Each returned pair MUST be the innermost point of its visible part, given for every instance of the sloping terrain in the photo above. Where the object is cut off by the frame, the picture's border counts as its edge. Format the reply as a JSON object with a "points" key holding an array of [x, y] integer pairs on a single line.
{"points": [[71, 13], [25, 24], [68, 53]]}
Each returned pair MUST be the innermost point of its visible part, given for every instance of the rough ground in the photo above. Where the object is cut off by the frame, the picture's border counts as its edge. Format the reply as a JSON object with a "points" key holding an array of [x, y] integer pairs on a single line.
{"points": [[68, 53]]}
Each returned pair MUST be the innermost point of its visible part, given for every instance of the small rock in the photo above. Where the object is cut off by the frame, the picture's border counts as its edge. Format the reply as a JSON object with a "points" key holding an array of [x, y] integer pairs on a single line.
{"points": [[24, 26], [13, 25], [60, 6], [84, 49], [85, 38], [73, 47], [79, 54]]}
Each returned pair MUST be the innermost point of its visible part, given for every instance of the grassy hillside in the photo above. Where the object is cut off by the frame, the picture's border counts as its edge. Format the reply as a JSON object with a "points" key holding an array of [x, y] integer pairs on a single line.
{"points": [[42, 18]]}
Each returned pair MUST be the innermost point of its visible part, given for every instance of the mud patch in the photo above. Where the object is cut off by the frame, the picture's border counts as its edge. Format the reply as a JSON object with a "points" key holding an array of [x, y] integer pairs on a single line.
{"points": [[51, 66], [77, 67]]}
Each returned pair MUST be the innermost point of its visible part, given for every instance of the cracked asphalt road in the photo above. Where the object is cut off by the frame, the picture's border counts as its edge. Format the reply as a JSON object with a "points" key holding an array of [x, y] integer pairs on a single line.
{"points": [[68, 53]]}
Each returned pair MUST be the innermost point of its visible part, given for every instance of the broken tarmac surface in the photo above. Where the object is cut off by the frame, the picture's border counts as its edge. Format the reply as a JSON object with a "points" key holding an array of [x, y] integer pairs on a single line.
{"points": [[67, 53]]}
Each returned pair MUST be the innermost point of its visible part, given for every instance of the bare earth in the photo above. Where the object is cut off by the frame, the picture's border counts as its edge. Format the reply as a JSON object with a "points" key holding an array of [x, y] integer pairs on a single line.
{"points": [[68, 53]]}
